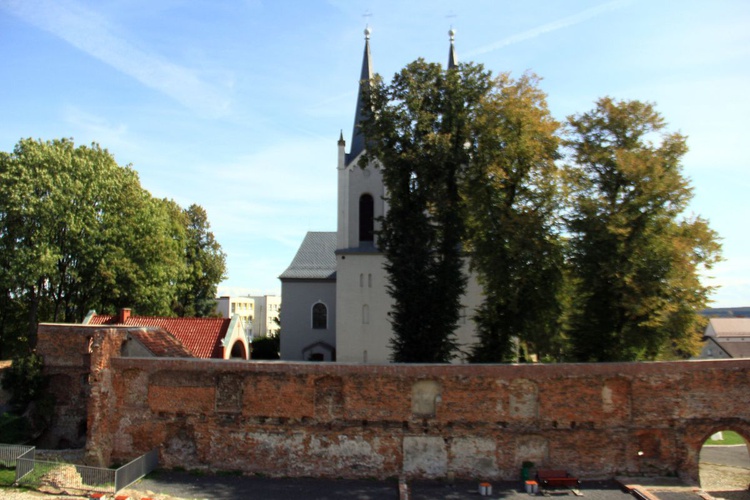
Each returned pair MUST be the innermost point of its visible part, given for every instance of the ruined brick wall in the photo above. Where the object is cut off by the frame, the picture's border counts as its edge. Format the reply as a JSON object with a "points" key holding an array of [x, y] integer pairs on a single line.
{"points": [[425, 421], [481, 421], [76, 360]]}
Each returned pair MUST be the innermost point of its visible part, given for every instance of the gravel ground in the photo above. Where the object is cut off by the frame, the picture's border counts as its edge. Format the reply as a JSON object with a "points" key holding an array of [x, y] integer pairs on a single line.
{"points": [[720, 481], [723, 481]]}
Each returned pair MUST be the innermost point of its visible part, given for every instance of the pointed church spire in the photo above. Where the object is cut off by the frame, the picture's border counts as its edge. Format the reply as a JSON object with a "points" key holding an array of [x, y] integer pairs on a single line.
{"points": [[452, 59], [358, 139]]}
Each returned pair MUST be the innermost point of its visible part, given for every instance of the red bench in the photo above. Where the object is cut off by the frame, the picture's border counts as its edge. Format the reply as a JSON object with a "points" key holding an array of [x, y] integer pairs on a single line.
{"points": [[553, 478]]}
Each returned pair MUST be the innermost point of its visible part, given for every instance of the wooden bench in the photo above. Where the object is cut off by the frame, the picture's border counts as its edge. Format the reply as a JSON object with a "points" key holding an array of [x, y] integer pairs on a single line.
{"points": [[553, 478]]}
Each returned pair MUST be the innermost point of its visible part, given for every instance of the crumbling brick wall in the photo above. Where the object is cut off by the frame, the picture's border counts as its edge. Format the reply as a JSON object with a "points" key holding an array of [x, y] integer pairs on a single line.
{"points": [[76, 360], [335, 420]]}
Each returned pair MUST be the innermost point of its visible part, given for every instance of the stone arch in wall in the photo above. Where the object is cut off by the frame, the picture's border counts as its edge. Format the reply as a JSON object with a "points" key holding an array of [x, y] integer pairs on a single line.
{"points": [[726, 465], [695, 436], [238, 350]]}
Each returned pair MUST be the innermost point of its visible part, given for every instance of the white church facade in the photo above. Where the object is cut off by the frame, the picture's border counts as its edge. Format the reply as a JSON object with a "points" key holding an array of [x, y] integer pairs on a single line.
{"points": [[334, 292]]}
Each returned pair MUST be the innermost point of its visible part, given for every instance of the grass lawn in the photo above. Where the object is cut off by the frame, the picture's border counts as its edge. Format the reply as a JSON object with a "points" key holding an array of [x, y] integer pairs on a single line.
{"points": [[730, 437], [7, 476]]}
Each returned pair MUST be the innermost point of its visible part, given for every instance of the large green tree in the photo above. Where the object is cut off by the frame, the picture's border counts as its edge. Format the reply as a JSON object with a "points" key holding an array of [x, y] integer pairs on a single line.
{"points": [[78, 232], [511, 191], [635, 256], [417, 131], [206, 265]]}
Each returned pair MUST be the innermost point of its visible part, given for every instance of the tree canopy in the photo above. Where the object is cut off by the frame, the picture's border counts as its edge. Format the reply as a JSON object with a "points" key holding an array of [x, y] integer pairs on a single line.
{"points": [[206, 265], [636, 258], [417, 132], [78, 232], [512, 195], [593, 262]]}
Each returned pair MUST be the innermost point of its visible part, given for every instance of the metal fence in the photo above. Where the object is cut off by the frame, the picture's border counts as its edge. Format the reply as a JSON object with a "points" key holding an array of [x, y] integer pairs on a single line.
{"points": [[70, 477], [64, 476], [138, 468], [10, 452], [25, 463]]}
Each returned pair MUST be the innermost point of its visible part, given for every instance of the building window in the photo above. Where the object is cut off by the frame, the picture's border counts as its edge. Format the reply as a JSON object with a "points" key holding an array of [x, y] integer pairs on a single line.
{"points": [[365, 314], [366, 218], [320, 316]]}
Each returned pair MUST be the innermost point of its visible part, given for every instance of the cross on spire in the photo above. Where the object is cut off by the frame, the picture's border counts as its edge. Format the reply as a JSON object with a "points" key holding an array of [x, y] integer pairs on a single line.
{"points": [[367, 15]]}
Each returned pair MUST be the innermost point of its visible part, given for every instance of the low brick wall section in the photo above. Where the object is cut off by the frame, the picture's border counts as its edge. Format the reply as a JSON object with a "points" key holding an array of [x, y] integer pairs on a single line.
{"points": [[473, 421]]}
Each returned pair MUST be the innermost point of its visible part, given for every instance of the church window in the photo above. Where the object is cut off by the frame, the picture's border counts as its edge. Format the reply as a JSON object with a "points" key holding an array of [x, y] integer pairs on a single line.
{"points": [[320, 316], [366, 218], [369, 280], [365, 314], [361, 280]]}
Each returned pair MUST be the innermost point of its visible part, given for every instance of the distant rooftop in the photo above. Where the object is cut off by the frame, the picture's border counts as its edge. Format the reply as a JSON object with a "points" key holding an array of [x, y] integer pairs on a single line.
{"points": [[160, 342], [201, 336], [728, 327]]}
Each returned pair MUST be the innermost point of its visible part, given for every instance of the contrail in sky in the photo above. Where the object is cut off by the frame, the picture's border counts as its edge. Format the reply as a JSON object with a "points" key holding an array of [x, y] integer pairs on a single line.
{"points": [[93, 34], [549, 27]]}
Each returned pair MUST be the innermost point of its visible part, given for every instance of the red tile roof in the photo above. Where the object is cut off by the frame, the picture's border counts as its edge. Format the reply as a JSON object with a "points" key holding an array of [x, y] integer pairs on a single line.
{"points": [[161, 343], [202, 336]]}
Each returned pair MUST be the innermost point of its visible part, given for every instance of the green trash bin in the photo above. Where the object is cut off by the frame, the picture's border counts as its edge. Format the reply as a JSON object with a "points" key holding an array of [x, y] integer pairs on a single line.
{"points": [[526, 470]]}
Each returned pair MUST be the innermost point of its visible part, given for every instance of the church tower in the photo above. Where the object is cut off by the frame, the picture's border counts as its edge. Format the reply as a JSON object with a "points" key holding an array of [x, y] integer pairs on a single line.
{"points": [[362, 302], [360, 189], [335, 291], [363, 330]]}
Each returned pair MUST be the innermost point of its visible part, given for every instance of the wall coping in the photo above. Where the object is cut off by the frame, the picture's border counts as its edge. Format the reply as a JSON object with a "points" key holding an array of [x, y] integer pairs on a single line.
{"points": [[536, 370]]}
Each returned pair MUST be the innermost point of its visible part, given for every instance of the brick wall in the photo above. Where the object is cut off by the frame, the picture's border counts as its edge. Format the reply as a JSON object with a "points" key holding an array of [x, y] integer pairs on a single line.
{"points": [[480, 421]]}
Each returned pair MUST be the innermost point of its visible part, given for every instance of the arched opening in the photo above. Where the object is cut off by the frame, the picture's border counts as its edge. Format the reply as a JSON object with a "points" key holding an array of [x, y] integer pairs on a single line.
{"points": [[366, 218], [724, 463], [319, 316], [319, 351], [238, 351]]}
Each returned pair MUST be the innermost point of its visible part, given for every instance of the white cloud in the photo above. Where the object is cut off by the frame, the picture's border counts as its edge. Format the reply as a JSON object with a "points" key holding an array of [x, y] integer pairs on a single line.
{"points": [[93, 34], [94, 128], [548, 28]]}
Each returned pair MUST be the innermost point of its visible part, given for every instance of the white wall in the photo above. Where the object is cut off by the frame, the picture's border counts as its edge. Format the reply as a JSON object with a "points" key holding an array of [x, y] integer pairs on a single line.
{"points": [[361, 281]]}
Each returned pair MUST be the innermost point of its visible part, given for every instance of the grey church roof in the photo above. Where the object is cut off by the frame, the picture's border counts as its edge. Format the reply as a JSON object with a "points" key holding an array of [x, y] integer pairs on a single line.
{"points": [[315, 259]]}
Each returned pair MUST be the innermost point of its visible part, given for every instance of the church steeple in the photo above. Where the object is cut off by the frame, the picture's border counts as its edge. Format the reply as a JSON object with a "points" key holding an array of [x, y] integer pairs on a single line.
{"points": [[358, 139], [452, 59]]}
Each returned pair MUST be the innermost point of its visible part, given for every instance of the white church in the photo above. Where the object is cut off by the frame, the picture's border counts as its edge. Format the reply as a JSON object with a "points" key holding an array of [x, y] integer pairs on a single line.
{"points": [[334, 293]]}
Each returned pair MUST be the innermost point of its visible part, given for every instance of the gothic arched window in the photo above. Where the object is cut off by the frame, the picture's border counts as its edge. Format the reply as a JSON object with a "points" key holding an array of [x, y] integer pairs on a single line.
{"points": [[366, 218], [320, 316]]}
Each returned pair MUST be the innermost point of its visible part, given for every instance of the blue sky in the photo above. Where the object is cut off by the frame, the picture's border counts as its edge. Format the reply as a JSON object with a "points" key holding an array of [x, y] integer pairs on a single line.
{"points": [[237, 105]]}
